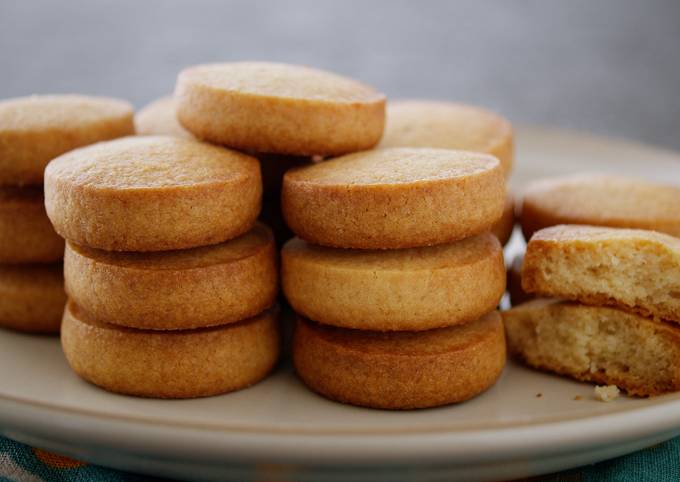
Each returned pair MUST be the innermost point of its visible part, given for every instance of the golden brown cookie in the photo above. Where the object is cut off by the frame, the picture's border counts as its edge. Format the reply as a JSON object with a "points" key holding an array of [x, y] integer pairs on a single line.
{"points": [[152, 194], [517, 294], [175, 290], [170, 364], [600, 200], [36, 129], [403, 370], [632, 268], [394, 198], [504, 226], [32, 297], [279, 108], [596, 344], [394, 290], [447, 125], [159, 118], [26, 234]]}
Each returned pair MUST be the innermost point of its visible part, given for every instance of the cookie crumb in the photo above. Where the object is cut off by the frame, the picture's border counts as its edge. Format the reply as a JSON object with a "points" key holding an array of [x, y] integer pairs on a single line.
{"points": [[606, 393], [539, 395], [578, 397]]}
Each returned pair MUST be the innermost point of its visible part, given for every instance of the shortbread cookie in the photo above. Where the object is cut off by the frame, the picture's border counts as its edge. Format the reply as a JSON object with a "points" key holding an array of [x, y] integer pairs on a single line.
{"points": [[394, 290], [636, 269], [517, 294], [400, 370], [26, 234], [152, 194], [159, 118], [177, 364], [173, 290], [601, 200], [278, 108], [32, 297], [502, 229], [34, 130], [446, 125], [394, 198], [596, 344]]}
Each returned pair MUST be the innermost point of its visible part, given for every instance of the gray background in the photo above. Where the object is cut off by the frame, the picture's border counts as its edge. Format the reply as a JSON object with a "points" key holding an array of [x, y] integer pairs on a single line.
{"points": [[610, 67]]}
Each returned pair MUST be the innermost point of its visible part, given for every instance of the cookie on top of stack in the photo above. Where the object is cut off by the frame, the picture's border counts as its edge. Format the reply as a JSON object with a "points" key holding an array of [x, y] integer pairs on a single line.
{"points": [[34, 130], [395, 276], [171, 281]]}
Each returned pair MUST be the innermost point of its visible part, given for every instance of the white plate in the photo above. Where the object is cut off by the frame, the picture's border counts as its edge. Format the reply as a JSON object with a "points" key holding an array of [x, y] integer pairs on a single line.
{"points": [[278, 430]]}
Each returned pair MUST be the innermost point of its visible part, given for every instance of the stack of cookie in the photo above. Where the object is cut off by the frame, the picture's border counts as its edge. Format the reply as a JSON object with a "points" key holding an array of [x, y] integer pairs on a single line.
{"points": [[620, 325], [396, 277], [34, 130], [171, 281]]}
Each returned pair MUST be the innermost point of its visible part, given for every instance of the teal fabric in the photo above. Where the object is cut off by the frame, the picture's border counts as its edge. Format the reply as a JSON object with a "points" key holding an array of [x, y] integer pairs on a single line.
{"points": [[21, 463]]}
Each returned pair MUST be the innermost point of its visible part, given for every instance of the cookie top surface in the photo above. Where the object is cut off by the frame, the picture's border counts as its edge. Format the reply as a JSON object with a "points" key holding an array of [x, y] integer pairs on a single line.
{"points": [[394, 166], [150, 162], [594, 234], [604, 199], [421, 123], [467, 251], [59, 112], [228, 252], [159, 118], [284, 81], [428, 342]]}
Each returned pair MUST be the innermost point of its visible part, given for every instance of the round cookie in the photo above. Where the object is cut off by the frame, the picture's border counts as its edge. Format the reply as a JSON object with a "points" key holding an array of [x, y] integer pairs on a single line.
{"points": [[159, 118], [36, 129], [403, 370], [177, 364], [279, 108], [394, 198], [502, 229], [175, 290], [446, 125], [394, 290], [32, 297], [26, 234], [152, 194], [600, 200]]}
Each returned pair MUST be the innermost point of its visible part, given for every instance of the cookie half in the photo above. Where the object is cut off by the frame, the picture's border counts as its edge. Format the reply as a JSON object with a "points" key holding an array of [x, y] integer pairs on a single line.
{"points": [[600, 200], [447, 125], [177, 364], [596, 344], [394, 198], [36, 129], [26, 234], [632, 268], [174, 290], [32, 297], [404, 370], [152, 194], [394, 290], [279, 108]]}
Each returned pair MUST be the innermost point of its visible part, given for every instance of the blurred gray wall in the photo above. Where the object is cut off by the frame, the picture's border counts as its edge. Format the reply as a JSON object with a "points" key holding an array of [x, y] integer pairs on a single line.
{"points": [[608, 66]]}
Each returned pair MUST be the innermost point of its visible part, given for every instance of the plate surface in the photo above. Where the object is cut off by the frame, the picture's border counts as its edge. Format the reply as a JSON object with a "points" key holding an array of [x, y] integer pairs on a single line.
{"points": [[529, 423]]}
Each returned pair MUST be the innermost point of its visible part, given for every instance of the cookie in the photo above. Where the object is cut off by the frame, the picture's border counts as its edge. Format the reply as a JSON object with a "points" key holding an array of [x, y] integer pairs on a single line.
{"points": [[174, 290], [159, 118], [152, 194], [176, 364], [32, 297], [279, 108], [36, 129], [404, 370], [502, 229], [517, 294], [447, 125], [635, 269], [394, 290], [600, 200], [596, 344], [394, 198], [26, 234]]}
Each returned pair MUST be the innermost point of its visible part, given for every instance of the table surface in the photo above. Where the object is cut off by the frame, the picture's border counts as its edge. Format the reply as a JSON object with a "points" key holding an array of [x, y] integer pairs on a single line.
{"points": [[611, 67]]}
